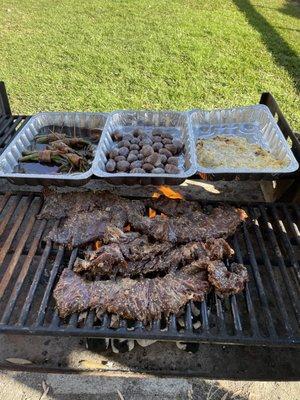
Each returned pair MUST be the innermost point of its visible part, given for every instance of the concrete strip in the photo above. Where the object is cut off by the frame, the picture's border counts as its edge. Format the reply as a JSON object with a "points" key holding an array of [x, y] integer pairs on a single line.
{"points": [[29, 386]]}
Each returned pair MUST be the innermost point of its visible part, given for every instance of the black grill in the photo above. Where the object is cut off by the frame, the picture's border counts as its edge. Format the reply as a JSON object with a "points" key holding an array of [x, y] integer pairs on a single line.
{"points": [[268, 312], [9, 124]]}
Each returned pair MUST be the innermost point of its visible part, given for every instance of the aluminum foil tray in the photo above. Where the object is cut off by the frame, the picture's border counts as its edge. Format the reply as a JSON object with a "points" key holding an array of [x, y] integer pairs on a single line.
{"points": [[175, 123], [70, 121], [256, 124]]}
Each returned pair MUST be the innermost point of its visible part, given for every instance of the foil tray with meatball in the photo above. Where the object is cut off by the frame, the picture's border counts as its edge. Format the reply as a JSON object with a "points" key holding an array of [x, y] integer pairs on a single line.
{"points": [[146, 147]]}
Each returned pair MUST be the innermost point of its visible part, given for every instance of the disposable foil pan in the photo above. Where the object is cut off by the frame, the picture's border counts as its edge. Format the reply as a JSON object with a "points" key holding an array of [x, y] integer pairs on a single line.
{"points": [[72, 121], [175, 123], [256, 124]]}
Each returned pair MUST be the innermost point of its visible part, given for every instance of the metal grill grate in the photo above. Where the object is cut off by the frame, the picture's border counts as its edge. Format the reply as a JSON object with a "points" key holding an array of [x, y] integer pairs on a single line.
{"points": [[268, 312]]}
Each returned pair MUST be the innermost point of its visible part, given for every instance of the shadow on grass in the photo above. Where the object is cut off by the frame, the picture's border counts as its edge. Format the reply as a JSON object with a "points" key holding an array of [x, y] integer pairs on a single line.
{"points": [[282, 53], [286, 29], [291, 8]]}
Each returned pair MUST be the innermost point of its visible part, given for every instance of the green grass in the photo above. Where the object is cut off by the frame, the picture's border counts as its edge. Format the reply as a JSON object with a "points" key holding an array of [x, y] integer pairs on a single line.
{"points": [[156, 54]]}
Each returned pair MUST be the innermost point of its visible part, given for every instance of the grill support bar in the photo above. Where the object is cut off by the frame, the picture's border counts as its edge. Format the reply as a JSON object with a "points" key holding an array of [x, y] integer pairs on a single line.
{"points": [[4, 102]]}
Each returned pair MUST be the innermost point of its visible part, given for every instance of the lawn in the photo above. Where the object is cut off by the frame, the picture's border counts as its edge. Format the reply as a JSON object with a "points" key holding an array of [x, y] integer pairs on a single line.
{"points": [[106, 55]]}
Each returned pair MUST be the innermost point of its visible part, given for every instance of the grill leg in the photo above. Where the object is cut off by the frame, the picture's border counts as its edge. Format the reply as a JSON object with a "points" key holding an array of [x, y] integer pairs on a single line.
{"points": [[4, 102]]}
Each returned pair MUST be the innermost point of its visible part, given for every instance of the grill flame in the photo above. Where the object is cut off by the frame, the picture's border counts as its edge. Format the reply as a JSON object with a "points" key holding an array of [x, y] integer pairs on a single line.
{"points": [[203, 176], [97, 244], [127, 228], [168, 192], [151, 213], [155, 195]]}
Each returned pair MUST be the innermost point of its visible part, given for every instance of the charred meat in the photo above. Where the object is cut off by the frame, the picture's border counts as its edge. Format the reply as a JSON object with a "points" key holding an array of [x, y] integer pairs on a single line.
{"points": [[76, 231], [143, 300], [61, 205], [148, 299], [174, 208], [224, 281], [87, 215], [139, 257], [220, 223]]}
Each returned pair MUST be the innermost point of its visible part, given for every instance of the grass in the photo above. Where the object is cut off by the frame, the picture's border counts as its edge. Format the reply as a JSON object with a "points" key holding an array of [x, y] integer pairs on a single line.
{"points": [[106, 55]]}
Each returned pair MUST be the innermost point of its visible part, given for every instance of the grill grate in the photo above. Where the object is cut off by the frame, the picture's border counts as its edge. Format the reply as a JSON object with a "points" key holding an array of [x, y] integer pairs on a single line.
{"points": [[268, 311]]}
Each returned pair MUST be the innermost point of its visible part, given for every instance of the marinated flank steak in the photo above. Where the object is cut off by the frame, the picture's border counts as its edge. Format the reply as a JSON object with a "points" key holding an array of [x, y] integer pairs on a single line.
{"points": [[142, 267], [144, 300], [221, 222], [61, 205], [139, 257]]}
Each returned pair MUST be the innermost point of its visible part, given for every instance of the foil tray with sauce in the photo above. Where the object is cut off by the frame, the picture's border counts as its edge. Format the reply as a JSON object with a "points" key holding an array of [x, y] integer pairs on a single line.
{"points": [[174, 122], [87, 125], [253, 123]]}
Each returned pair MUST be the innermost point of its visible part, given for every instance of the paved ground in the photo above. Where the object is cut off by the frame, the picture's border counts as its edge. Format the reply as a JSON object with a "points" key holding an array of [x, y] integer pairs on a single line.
{"points": [[79, 373], [25, 386]]}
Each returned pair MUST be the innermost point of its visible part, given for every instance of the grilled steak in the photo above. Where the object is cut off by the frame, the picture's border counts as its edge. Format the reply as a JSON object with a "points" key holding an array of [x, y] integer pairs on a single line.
{"points": [[184, 243], [173, 208], [89, 214], [221, 222], [61, 205], [148, 299], [138, 256], [85, 227], [145, 300], [224, 281]]}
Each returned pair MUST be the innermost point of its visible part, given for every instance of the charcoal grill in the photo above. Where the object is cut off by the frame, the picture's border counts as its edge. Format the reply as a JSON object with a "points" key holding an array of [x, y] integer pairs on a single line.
{"points": [[267, 313]]}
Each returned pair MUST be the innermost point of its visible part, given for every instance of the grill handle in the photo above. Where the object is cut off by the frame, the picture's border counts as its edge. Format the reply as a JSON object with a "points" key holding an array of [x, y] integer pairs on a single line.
{"points": [[4, 102], [268, 100]]}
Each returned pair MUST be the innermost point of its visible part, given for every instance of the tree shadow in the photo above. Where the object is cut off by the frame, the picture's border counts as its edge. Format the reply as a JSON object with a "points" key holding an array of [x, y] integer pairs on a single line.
{"points": [[287, 29], [282, 53], [291, 8]]}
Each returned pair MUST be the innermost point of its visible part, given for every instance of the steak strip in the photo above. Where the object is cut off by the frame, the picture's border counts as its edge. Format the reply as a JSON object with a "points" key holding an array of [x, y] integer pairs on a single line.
{"points": [[138, 256], [172, 207], [220, 223], [148, 299], [227, 282], [61, 205], [144, 300], [88, 215]]}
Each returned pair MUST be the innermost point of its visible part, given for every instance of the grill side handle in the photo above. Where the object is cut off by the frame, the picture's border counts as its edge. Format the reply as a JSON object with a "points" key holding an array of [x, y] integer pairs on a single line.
{"points": [[268, 100], [4, 102]]}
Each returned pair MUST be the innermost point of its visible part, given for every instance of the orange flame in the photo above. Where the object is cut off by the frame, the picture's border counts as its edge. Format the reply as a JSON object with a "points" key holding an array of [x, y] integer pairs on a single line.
{"points": [[203, 176], [170, 193], [155, 195], [97, 244], [151, 213], [127, 228]]}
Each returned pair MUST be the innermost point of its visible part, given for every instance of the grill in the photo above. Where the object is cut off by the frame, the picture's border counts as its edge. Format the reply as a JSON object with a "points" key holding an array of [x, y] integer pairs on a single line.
{"points": [[268, 312], [9, 124]]}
